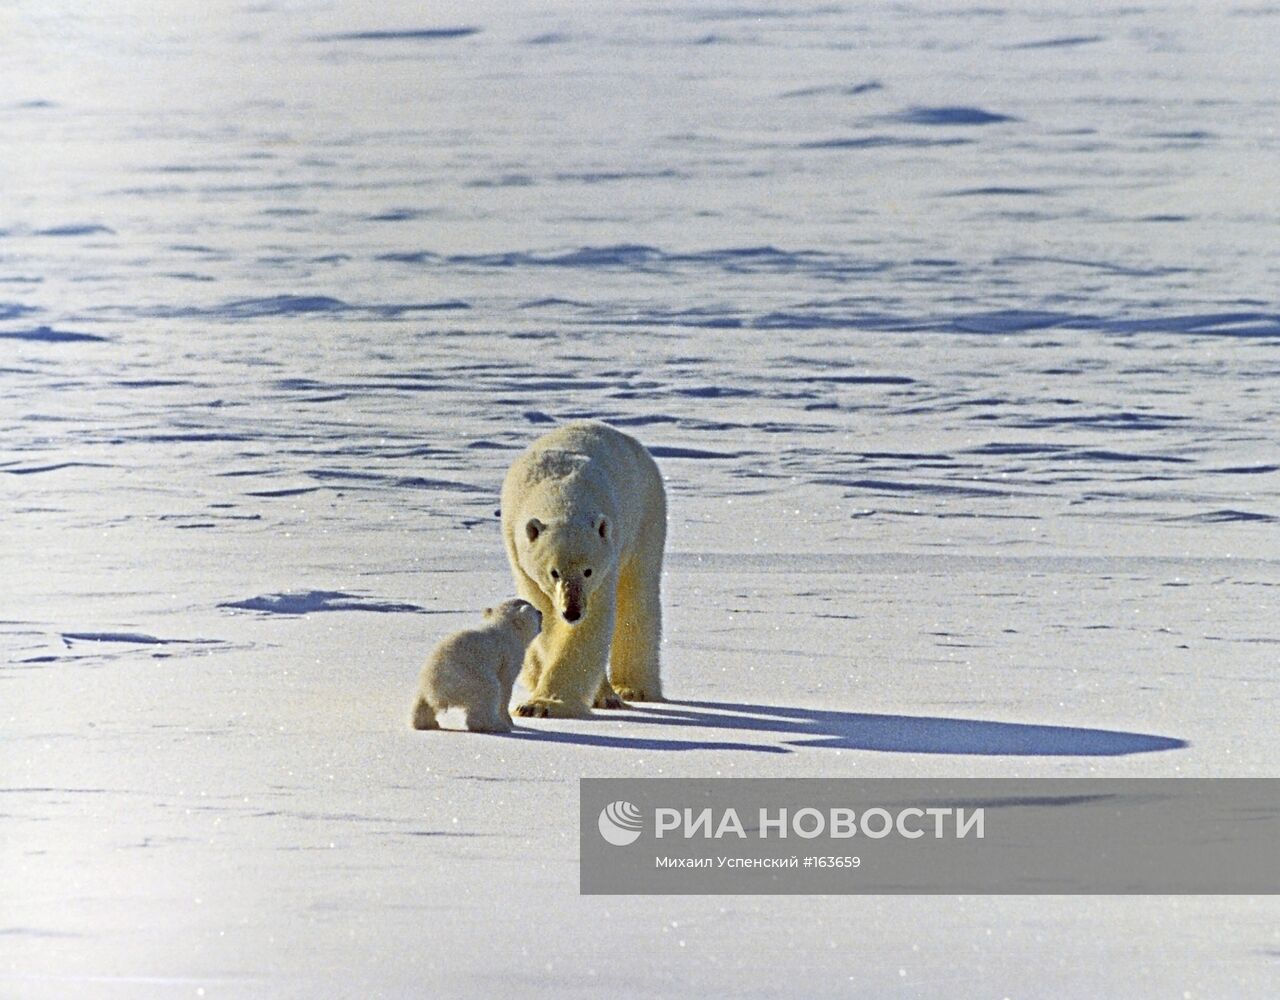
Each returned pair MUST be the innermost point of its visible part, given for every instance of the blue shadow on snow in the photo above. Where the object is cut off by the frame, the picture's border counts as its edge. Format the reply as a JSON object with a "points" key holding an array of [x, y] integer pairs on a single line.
{"points": [[822, 728]]}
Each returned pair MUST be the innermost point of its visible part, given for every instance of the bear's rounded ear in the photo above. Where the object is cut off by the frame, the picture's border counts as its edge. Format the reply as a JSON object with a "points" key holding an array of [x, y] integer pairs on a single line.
{"points": [[603, 528], [533, 529]]}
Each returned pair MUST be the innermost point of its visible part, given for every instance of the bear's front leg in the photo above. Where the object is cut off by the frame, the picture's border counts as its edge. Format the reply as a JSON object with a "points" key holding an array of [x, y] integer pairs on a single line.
{"points": [[633, 660], [531, 670], [573, 667], [534, 656]]}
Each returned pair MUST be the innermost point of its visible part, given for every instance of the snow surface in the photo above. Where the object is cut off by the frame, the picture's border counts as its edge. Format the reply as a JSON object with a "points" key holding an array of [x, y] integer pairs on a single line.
{"points": [[951, 331]]}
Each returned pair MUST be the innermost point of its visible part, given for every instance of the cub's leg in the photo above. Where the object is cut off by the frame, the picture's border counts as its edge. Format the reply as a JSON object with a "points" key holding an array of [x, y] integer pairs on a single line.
{"points": [[485, 711], [424, 716], [487, 720]]}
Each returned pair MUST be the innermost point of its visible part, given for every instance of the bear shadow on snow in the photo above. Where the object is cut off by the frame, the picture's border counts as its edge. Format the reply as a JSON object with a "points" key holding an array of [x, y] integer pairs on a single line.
{"points": [[828, 729]]}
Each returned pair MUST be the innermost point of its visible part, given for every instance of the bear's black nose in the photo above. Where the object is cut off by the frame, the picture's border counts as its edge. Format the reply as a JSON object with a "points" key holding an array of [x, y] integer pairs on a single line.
{"points": [[572, 615]]}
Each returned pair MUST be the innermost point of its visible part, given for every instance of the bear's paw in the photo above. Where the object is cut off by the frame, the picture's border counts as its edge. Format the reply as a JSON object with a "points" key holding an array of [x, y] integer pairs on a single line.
{"points": [[551, 708], [609, 699], [638, 694]]}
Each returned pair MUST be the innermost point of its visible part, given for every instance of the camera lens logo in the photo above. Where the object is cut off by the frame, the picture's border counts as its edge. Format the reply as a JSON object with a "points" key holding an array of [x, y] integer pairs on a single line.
{"points": [[620, 823]]}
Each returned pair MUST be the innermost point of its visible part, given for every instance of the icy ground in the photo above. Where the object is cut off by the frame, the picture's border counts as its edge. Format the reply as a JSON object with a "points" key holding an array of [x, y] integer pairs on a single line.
{"points": [[953, 331]]}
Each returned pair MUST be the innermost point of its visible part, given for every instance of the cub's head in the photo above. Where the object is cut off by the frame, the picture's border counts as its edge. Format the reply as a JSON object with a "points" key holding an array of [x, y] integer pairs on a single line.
{"points": [[523, 616], [568, 559]]}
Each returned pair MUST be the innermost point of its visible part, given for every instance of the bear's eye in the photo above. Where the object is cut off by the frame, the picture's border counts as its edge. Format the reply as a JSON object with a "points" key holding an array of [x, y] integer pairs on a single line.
{"points": [[586, 572], [555, 574]]}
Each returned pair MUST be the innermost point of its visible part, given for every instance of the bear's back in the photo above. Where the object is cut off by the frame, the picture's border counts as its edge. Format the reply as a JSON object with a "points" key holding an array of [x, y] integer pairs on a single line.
{"points": [[555, 463], [590, 451]]}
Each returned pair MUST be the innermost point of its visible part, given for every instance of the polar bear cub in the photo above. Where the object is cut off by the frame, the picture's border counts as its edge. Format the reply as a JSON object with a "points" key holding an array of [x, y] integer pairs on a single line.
{"points": [[475, 669]]}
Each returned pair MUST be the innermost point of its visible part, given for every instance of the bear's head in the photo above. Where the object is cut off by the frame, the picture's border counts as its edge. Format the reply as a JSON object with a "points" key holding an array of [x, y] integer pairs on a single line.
{"points": [[568, 559], [519, 613]]}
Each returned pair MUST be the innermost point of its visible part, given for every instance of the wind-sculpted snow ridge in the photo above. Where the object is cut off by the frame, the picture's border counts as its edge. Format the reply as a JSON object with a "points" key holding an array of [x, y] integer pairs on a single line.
{"points": [[1062, 42], [137, 638], [838, 90], [881, 141], [48, 335], [407, 34], [952, 115], [77, 229], [311, 601], [738, 260], [38, 648], [302, 305]]}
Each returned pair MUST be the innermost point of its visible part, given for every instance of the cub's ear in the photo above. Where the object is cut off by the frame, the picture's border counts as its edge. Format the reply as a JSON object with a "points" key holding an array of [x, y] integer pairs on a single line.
{"points": [[603, 528], [533, 529]]}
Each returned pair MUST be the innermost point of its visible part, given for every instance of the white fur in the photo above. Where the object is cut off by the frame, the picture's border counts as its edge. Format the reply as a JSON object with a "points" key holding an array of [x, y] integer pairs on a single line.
{"points": [[586, 497], [475, 670]]}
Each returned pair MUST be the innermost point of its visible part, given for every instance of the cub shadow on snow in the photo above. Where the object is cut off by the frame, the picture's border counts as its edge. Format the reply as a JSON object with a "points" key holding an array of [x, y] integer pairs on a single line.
{"points": [[824, 728]]}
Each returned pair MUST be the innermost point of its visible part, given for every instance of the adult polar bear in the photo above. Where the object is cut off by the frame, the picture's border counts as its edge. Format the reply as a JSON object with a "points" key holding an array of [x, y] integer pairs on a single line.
{"points": [[584, 518]]}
